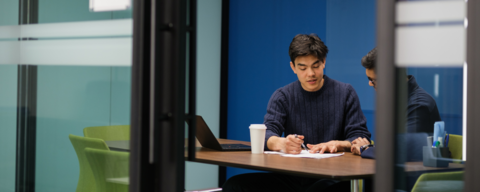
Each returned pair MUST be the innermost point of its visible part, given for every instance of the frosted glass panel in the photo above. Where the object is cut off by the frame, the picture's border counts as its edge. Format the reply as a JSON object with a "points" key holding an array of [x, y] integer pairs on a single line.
{"points": [[120, 27], [50, 46], [109, 5], [430, 11], [430, 46], [9, 52], [9, 32], [79, 29], [106, 52]]}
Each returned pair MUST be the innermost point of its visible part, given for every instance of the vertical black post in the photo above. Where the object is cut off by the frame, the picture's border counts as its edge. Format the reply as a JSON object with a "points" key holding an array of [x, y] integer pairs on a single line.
{"points": [[26, 109], [472, 169], [222, 171], [384, 178], [158, 95], [169, 90], [400, 151], [26, 128], [192, 98], [142, 177]]}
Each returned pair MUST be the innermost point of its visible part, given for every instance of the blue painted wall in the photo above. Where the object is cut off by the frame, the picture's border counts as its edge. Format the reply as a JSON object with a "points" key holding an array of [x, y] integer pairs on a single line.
{"points": [[350, 36], [260, 33]]}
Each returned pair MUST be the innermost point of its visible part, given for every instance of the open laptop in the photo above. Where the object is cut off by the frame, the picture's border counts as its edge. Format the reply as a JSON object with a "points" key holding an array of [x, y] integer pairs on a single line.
{"points": [[208, 140]]}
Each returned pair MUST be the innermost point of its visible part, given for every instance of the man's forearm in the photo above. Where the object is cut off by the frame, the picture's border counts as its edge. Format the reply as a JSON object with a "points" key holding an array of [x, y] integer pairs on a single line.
{"points": [[273, 143], [345, 145]]}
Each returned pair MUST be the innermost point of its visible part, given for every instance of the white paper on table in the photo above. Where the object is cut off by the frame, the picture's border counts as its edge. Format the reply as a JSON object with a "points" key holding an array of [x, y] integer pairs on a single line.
{"points": [[306, 154]]}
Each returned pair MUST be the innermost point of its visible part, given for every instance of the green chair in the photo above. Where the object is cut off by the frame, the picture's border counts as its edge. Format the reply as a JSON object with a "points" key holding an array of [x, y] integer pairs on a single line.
{"points": [[110, 169], [455, 144], [439, 182], [446, 181], [86, 181], [108, 133]]}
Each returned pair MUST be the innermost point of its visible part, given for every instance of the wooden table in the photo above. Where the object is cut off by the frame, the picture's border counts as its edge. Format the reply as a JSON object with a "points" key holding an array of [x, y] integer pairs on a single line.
{"points": [[119, 145], [346, 167]]}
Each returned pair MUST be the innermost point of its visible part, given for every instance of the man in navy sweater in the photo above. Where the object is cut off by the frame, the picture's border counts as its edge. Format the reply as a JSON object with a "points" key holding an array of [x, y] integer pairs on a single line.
{"points": [[422, 111], [322, 112]]}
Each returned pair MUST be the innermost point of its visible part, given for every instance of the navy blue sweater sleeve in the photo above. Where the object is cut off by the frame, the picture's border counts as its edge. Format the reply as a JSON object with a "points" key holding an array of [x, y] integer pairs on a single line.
{"points": [[355, 122], [369, 153], [276, 115]]}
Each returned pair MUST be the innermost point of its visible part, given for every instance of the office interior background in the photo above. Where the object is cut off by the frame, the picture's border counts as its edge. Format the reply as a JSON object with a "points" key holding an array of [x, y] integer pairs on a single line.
{"points": [[79, 86]]}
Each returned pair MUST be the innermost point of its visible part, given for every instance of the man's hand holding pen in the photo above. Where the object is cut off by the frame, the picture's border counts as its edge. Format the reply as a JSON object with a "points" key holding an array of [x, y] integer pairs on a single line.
{"points": [[293, 144]]}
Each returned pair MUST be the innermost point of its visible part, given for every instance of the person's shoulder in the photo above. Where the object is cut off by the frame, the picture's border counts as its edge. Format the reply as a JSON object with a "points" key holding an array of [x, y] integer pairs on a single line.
{"points": [[422, 97], [286, 91], [417, 93], [289, 88]]}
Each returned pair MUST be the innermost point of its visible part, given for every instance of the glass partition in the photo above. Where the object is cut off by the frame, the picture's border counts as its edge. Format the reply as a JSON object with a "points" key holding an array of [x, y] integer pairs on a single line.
{"points": [[207, 79], [66, 85], [430, 49], [8, 103]]}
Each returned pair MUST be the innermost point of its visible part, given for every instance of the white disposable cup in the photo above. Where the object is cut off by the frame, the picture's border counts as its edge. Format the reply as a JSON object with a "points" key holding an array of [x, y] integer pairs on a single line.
{"points": [[257, 137]]}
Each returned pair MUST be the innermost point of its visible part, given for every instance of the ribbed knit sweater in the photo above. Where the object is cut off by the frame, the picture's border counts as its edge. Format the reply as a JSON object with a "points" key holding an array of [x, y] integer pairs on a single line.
{"points": [[331, 113]]}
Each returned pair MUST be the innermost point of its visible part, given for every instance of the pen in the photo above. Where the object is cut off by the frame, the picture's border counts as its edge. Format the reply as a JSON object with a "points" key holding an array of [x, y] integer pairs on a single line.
{"points": [[303, 145]]}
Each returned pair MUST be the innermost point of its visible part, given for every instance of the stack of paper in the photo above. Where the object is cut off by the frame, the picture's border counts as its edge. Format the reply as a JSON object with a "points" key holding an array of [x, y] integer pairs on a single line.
{"points": [[306, 154]]}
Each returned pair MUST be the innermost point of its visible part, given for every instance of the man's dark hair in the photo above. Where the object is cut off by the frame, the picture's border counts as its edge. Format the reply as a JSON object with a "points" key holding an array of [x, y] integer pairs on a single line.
{"points": [[303, 44], [369, 60]]}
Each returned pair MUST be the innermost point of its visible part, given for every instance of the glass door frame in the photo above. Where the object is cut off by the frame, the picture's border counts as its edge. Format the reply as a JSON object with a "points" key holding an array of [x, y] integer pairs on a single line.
{"points": [[472, 171], [387, 109], [26, 108], [160, 47]]}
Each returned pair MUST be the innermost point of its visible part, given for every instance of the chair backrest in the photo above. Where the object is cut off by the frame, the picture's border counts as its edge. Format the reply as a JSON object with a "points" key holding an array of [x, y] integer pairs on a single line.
{"points": [[108, 133], [453, 181], [110, 169], [86, 181], [455, 144]]}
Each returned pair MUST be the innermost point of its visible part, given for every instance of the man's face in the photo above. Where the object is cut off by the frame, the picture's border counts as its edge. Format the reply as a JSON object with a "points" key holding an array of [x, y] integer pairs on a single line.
{"points": [[309, 70], [372, 78]]}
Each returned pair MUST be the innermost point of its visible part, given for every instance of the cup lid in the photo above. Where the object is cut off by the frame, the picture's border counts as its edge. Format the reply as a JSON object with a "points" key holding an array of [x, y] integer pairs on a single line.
{"points": [[258, 126]]}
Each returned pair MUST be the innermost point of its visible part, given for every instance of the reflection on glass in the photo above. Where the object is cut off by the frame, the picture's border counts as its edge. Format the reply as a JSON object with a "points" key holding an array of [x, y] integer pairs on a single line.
{"points": [[430, 47], [64, 96], [429, 105], [433, 145]]}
